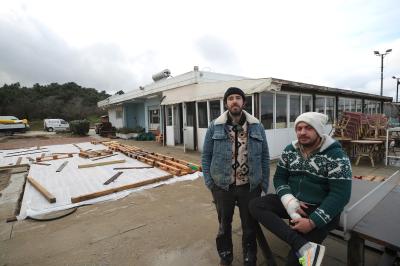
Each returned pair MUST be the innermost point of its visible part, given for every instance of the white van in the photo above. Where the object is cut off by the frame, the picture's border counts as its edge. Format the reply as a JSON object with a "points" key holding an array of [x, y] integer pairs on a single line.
{"points": [[55, 125]]}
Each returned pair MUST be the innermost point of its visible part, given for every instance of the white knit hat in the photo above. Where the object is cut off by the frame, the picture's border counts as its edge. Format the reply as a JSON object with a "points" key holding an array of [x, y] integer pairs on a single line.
{"points": [[314, 119]]}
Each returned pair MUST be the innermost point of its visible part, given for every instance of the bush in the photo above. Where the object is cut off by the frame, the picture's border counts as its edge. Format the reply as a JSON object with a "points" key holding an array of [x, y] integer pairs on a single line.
{"points": [[146, 136], [79, 127], [126, 130]]}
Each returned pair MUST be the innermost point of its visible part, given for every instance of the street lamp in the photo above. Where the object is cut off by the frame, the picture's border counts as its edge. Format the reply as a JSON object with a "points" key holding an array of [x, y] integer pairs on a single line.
{"points": [[382, 56], [397, 90]]}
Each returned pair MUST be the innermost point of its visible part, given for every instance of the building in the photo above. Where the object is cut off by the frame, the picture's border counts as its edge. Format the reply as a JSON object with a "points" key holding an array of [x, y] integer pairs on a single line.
{"points": [[182, 107]]}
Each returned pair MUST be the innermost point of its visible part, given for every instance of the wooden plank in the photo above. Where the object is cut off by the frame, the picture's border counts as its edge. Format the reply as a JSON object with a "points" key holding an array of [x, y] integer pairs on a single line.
{"points": [[368, 178], [379, 178], [133, 167], [62, 166], [54, 157], [79, 148], [19, 154], [39, 163], [118, 189], [164, 156], [50, 198], [145, 160], [7, 167], [99, 158], [175, 170], [179, 165], [100, 164], [19, 161], [113, 178], [191, 165], [24, 151]]}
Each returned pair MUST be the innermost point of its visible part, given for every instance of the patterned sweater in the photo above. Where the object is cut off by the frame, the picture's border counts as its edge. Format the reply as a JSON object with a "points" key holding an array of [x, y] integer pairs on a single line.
{"points": [[324, 179]]}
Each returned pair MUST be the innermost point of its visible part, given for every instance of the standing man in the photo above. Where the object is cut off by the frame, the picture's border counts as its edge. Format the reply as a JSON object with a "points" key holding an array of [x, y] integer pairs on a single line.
{"points": [[235, 163], [313, 184]]}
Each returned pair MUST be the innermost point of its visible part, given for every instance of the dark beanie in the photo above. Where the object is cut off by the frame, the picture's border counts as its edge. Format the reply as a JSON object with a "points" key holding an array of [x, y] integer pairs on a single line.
{"points": [[234, 90]]}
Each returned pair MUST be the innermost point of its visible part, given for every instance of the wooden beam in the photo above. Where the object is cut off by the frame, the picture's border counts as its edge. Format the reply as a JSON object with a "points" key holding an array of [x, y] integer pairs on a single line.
{"points": [[7, 167], [100, 164], [50, 198], [118, 189], [53, 157], [102, 157], [19, 161], [62, 166], [113, 178], [79, 148], [133, 167], [39, 163]]}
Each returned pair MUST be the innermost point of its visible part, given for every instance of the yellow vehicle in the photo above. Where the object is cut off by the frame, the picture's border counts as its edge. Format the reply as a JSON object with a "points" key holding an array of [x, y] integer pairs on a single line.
{"points": [[13, 124]]}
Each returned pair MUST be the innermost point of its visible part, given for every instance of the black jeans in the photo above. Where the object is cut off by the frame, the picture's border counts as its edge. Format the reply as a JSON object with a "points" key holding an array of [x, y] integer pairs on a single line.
{"points": [[225, 202], [269, 211]]}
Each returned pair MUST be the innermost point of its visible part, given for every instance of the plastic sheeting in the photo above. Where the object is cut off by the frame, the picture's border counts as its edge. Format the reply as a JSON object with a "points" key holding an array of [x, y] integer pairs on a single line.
{"points": [[73, 182]]}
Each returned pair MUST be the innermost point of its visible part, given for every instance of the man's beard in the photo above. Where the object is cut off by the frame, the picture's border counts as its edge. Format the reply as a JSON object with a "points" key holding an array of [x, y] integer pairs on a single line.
{"points": [[311, 144], [235, 112]]}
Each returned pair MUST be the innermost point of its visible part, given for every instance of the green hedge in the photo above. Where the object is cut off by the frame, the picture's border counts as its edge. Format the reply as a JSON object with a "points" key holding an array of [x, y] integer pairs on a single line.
{"points": [[79, 127]]}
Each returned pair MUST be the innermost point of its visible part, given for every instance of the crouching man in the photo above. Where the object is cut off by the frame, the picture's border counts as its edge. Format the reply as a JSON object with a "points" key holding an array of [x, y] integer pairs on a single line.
{"points": [[313, 184]]}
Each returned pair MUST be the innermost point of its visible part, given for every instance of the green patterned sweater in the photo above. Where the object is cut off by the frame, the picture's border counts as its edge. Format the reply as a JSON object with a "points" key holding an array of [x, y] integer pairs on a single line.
{"points": [[324, 178]]}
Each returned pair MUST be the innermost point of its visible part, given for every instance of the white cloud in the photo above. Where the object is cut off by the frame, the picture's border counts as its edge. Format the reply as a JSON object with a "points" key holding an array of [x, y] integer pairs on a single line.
{"points": [[119, 44]]}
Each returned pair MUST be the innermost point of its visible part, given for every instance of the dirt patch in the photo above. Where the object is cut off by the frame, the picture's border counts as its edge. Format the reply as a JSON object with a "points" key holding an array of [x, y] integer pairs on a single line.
{"points": [[4, 180], [20, 141]]}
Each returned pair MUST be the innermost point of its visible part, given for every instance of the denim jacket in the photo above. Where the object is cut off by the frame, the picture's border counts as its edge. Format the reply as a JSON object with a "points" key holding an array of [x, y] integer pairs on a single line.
{"points": [[216, 158]]}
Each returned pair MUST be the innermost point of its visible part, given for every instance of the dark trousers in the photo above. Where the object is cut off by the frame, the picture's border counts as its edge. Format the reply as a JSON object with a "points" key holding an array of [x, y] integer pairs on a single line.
{"points": [[225, 202], [269, 211]]}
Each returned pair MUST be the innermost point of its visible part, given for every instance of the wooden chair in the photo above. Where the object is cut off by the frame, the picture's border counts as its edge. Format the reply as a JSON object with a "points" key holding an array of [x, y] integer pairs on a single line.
{"points": [[160, 138], [340, 127]]}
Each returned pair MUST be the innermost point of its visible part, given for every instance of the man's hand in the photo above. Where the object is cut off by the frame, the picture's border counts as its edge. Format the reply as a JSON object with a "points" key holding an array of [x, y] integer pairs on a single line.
{"points": [[303, 225], [301, 209]]}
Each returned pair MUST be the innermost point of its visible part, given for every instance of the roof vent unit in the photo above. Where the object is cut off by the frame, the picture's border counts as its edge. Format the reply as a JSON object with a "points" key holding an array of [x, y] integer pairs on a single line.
{"points": [[161, 75]]}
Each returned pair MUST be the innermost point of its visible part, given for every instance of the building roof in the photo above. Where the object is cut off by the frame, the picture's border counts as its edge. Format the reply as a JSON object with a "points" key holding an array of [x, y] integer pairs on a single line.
{"points": [[201, 85], [189, 78]]}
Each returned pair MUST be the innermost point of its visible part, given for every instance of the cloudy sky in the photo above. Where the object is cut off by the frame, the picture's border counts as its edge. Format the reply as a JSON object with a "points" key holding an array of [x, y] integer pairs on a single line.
{"points": [[118, 45]]}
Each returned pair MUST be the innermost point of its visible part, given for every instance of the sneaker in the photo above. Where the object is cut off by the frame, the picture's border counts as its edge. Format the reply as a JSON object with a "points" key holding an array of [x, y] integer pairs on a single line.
{"points": [[313, 255]]}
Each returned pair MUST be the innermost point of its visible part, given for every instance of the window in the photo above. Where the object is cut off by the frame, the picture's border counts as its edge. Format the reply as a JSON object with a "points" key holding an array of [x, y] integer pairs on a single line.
{"points": [[202, 113], [330, 109], [215, 109], [281, 111], [249, 103], [294, 106], [267, 107], [306, 103], [358, 105], [352, 107], [190, 113], [341, 106], [169, 116], [118, 113], [154, 116], [320, 104], [372, 107]]}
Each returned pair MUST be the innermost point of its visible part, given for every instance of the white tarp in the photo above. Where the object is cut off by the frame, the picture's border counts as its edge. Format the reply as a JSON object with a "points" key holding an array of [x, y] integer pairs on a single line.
{"points": [[215, 90], [73, 182]]}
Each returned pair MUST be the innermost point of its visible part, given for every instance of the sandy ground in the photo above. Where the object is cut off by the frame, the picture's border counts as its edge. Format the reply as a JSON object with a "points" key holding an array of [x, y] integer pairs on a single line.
{"points": [[168, 225]]}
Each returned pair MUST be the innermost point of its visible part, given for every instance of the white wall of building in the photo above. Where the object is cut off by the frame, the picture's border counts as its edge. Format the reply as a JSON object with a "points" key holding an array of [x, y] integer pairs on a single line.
{"points": [[116, 116]]}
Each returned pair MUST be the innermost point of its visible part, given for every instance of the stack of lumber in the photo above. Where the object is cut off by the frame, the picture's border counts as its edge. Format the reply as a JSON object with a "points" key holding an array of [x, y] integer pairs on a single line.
{"points": [[92, 154], [167, 163], [54, 157]]}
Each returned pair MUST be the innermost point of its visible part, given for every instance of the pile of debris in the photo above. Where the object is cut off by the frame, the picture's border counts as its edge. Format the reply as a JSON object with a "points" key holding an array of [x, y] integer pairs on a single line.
{"points": [[58, 178]]}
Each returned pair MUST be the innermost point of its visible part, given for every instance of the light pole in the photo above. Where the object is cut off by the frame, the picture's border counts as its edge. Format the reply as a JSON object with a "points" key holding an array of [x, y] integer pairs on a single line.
{"points": [[397, 90], [382, 56]]}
